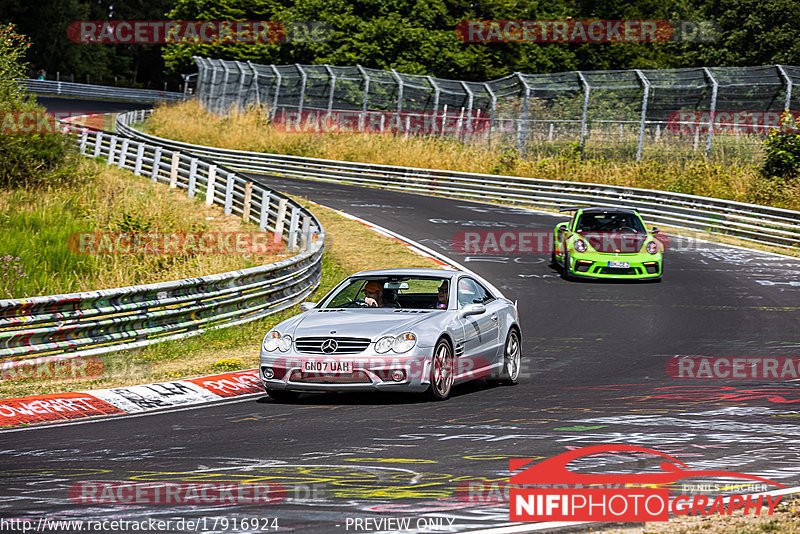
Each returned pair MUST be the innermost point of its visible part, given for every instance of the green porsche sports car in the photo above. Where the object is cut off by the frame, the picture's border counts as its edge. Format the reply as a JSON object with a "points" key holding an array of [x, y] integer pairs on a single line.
{"points": [[607, 243]]}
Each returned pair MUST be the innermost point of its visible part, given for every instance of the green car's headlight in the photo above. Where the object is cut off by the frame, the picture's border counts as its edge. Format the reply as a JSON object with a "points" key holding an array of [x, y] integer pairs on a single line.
{"points": [[652, 247], [580, 245]]}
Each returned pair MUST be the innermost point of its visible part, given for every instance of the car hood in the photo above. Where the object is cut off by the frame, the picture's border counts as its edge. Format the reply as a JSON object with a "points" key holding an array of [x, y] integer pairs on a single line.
{"points": [[615, 242], [367, 323]]}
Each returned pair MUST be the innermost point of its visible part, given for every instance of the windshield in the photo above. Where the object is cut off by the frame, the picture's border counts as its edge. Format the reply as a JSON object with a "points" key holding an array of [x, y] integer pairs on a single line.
{"points": [[420, 293], [610, 222]]}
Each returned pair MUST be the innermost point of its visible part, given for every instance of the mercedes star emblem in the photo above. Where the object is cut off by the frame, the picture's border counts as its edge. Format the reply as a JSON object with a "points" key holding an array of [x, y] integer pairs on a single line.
{"points": [[329, 346]]}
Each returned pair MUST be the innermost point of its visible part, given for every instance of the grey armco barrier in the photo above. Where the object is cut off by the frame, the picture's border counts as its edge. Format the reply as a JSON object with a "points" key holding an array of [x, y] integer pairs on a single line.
{"points": [[750, 222], [51, 87], [40, 329]]}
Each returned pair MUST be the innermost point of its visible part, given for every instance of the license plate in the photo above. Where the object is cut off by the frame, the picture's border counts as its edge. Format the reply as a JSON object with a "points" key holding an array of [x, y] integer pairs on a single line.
{"points": [[328, 366], [619, 264]]}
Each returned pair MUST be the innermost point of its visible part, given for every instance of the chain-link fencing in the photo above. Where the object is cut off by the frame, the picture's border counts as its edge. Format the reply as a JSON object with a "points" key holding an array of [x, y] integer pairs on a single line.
{"points": [[708, 112]]}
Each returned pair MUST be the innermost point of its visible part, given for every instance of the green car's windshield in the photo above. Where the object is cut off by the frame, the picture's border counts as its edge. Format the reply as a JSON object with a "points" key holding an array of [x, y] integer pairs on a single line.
{"points": [[395, 292], [609, 222]]}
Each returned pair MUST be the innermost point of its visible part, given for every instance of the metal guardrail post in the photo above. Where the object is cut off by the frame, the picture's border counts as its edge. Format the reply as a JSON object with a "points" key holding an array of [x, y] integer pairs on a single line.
{"points": [[156, 165], [229, 182], [192, 178], [521, 138], [137, 169], [123, 153], [788, 102], [303, 82], [293, 223], [98, 143], [248, 200], [263, 220], [210, 184], [585, 112], [112, 146], [332, 77], [305, 233], [280, 220], [278, 79], [646, 89], [365, 77], [712, 108], [173, 170]]}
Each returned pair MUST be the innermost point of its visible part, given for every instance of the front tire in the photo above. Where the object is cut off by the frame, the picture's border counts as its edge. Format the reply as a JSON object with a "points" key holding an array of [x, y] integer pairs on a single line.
{"points": [[565, 274], [442, 367]]}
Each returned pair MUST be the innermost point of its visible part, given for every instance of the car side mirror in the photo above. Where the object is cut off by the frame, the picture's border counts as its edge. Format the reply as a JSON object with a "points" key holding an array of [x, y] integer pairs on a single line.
{"points": [[305, 306], [655, 230], [472, 309]]}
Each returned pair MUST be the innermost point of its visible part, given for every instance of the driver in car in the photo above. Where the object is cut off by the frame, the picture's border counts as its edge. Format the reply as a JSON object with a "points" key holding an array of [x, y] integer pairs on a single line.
{"points": [[373, 291]]}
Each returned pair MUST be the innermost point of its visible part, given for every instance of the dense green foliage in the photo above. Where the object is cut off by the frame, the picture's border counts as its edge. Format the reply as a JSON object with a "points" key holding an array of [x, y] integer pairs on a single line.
{"points": [[412, 36], [783, 151], [26, 159]]}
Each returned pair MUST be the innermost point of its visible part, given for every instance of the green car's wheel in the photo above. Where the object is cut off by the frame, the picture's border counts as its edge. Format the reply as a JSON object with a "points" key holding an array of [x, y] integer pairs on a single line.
{"points": [[441, 371], [280, 395], [565, 274], [512, 359]]}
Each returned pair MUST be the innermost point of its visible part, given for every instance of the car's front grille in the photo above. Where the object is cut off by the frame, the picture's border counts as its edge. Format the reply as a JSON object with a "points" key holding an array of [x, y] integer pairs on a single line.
{"points": [[617, 270], [356, 377], [331, 345]]}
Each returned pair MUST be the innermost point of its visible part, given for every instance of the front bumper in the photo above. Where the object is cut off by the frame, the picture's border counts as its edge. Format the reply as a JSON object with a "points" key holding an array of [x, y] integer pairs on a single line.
{"points": [[302, 372], [596, 266]]}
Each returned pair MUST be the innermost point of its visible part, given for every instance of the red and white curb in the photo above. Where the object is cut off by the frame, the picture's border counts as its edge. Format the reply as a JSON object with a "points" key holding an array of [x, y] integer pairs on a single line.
{"points": [[60, 407]]}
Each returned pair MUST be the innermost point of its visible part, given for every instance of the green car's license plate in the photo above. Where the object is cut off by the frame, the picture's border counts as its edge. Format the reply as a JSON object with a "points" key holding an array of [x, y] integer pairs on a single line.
{"points": [[619, 264]]}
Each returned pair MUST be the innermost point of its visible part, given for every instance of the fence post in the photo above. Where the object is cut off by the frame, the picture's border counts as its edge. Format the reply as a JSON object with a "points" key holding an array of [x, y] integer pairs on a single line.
{"points": [[255, 83], [365, 76], [470, 100], [788, 102], [224, 94], [305, 233], [156, 165], [400, 84], [585, 112], [280, 220], [248, 199], [279, 78], [332, 77], [293, 222], [173, 171], [491, 113], [712, 108], [264, 218], [303, 82], [210, 94], [137, 168], [192, 177], [230, 179], [212, 176], [436, 93], [646, 89], [123, 153], [241, 86], [521, 138]]}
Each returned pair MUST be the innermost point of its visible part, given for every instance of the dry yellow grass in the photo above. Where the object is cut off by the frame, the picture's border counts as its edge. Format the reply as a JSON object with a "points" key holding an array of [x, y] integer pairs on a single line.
{"points": [[250, 130]]}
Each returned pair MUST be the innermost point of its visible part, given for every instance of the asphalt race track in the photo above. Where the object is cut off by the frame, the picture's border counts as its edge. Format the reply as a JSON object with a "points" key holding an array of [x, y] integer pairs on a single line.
{"points": [[594, 372]]}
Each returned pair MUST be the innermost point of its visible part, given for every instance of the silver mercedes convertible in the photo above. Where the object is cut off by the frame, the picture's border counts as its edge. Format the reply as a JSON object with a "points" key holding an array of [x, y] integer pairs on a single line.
{"points": [[410, 330]]}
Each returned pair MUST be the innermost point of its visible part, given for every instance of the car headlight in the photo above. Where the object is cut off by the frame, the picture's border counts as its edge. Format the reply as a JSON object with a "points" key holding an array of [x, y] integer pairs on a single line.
{"points": [[652, 247], [285, 343], [271, 341], [404, 342], [580, 245], [384, 344]]}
